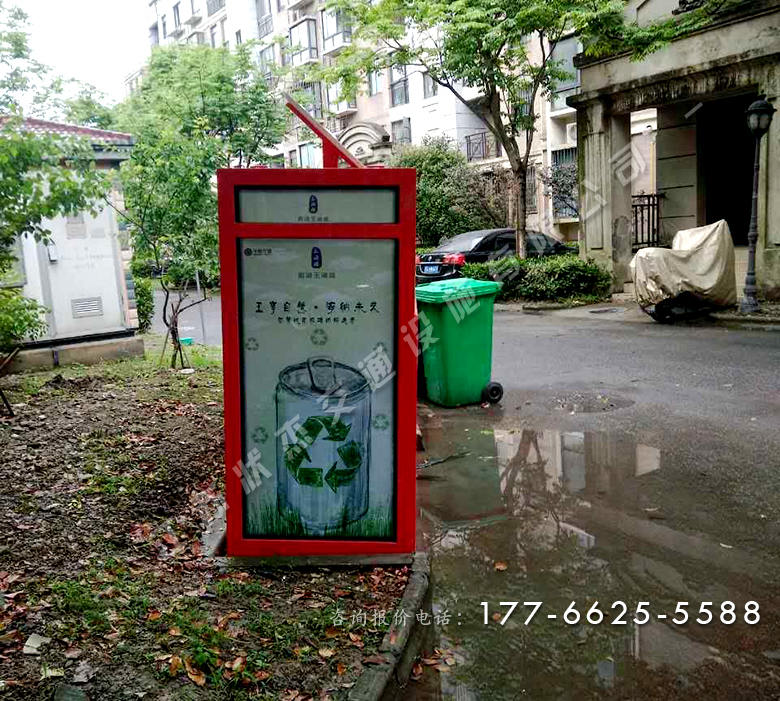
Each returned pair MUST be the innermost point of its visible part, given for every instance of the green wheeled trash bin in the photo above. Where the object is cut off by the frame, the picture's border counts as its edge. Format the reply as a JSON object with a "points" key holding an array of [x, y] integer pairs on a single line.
{"points": [[456, 339]]}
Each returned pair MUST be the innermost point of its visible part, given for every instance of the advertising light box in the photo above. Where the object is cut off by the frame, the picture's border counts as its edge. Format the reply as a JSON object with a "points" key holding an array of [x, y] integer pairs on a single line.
{"points": [[320, 362]]}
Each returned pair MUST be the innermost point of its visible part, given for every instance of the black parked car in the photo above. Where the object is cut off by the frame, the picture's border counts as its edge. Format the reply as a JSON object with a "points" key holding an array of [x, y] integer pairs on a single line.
{"points": [[445, 262]]}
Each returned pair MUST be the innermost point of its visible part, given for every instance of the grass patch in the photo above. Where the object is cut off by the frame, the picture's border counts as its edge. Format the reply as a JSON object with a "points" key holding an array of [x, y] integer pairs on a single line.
{"points": [[376, 524]]}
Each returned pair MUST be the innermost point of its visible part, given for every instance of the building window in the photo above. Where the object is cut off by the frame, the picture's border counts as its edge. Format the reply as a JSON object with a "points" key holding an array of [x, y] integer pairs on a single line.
{"points": [[530, 190], [238, 38], [308, 155], [281, 5], [482, 145], [154, 35], [399, 86], [223, 32], [164, 23], [213, 6], [213, 36], [336, 31], [303, 42], [562, 207], [311, 97], [430, 86], [374, 79], [267, 62], [564, 53], [176, 16], [402, 131], [293, 158]]}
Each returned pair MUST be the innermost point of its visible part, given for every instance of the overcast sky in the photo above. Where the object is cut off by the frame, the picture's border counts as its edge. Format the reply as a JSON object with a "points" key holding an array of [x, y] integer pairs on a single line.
{"points": [[95, 41]]}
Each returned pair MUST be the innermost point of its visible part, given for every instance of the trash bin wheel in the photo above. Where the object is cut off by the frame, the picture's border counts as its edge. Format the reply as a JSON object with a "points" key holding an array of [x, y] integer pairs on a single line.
{"points": [[493, 393]]}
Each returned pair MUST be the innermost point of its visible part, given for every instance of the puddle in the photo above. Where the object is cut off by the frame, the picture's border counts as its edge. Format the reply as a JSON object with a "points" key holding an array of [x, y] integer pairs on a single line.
{"points": [[583, 520], [584, 403]]}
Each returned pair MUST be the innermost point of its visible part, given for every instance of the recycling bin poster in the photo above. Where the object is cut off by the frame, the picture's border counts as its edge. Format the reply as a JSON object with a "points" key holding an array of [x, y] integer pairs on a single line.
{"points": [[318, 377]]}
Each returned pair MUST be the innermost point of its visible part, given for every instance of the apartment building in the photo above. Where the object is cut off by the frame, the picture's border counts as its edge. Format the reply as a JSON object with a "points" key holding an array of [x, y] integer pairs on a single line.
{"points": [[395, 106]]}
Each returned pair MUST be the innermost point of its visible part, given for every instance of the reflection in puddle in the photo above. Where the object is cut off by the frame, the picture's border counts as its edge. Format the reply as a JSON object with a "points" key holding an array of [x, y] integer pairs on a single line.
{"points": [[561, 517]]}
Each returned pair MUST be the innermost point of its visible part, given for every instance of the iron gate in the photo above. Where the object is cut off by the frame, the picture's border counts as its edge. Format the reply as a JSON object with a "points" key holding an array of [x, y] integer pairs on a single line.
{"points": [[645, 209]]}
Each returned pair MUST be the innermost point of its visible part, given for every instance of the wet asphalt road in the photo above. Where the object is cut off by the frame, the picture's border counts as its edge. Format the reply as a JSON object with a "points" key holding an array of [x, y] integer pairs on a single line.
{"points": [[627, 462]]}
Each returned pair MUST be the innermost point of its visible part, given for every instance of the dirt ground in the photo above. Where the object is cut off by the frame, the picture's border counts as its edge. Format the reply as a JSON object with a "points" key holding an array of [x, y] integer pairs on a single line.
{"points": [[108, 477]]}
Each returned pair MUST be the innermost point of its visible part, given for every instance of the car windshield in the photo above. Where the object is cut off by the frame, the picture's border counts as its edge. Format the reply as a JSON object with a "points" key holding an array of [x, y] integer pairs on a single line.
{"points": [[461, 242]]}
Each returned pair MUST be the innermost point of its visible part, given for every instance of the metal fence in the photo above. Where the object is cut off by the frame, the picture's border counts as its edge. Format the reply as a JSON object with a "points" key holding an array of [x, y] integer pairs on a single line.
{"points": [[481, 146], [646, 211]]}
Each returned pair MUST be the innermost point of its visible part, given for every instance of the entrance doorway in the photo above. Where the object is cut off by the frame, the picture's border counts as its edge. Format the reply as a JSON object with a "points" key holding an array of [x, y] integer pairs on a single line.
{"points": [[726, 151]]}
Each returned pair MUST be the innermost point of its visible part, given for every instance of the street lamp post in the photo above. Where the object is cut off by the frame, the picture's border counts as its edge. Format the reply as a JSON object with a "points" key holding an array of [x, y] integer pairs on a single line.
{"points": [[759, 118]]}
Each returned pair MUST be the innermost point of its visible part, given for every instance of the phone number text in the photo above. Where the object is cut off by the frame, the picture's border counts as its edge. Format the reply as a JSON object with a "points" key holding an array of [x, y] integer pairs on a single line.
{"points": [[620, 614]]}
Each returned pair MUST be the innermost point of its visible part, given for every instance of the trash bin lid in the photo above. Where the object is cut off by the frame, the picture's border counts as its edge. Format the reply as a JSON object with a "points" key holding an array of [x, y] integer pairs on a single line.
{"points": [[444, 291]]}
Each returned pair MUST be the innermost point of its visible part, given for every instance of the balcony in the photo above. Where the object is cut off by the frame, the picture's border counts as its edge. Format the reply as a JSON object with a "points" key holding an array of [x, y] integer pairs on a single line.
{"points": [[295, 4], [336, 32], [338, 107], [265, 26], [482, 146], [303, 42], [177, 32], [195, 17], [196, 38]]}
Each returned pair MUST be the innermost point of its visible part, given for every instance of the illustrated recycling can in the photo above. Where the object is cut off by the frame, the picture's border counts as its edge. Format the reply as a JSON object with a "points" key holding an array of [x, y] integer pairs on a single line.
{"points": [[323, 416]]}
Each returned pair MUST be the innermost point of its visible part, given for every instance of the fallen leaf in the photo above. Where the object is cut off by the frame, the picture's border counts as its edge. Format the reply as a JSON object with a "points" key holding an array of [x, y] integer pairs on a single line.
{"points": [[374, 659], [174, 632], [417, 671], [496, 617], [499, 566], [174, 665], [261, 675], [171, 539], [47, 671], [237, 665], [326, 652], [196, 676], [33, 643], [9, 637], [332, 632], [154, 616], [73, 653], [341, 669], [84, 672], [430, 661]]}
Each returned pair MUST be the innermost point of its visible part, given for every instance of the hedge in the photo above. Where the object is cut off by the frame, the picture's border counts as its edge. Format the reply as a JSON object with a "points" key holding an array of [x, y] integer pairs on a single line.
{"points": [[144, 301], [551, 278]]}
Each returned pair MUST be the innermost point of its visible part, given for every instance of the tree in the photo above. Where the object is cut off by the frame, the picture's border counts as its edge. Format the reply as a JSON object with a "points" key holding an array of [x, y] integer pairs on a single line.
{"points": [[42, 176], [198, 109], [170, 206], [450, 197], [88, 108], [561, 183], [494, 56]]}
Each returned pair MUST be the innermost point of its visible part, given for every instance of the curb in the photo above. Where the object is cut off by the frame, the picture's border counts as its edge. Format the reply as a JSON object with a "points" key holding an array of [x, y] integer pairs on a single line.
{"points": [[402, 644], [745, 318]]}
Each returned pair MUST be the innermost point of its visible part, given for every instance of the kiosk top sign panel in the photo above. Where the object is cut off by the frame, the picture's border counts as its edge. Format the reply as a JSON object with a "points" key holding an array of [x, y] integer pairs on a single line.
{"points": [[320, 365], [317, 205]]}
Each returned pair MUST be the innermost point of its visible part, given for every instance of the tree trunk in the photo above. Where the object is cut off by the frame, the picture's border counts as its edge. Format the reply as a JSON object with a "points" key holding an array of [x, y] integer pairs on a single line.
{"points": [[520, 211]]}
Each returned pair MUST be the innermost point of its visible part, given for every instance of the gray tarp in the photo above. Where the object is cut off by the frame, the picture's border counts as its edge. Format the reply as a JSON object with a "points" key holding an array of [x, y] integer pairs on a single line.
{"points": [[701, 262]]}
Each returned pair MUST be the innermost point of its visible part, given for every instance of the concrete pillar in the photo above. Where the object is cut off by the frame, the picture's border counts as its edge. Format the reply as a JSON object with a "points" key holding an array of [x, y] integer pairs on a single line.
{"points": [[606, 162], [768, 246]]}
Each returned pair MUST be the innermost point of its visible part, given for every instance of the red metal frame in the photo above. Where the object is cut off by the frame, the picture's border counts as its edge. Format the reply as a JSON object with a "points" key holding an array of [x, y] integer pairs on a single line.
{"points": [[406, 405]]}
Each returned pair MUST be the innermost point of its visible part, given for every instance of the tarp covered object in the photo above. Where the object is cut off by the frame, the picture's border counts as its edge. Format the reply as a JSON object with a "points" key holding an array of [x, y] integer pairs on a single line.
{"points": [[701, 261]]}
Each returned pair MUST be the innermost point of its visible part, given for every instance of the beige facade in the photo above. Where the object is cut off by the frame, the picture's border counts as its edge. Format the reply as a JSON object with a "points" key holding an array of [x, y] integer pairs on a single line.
{"points": [[700, 87]]}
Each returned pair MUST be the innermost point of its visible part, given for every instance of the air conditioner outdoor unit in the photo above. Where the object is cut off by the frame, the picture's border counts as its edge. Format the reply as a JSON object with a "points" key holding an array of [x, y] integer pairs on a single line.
{"points": [[571, 133]]}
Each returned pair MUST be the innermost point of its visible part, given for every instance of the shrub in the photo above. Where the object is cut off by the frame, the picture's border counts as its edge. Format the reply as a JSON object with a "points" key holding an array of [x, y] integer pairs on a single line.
{"points": [[144, 300], [450, 194], [552, 278], [20, 318]]}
